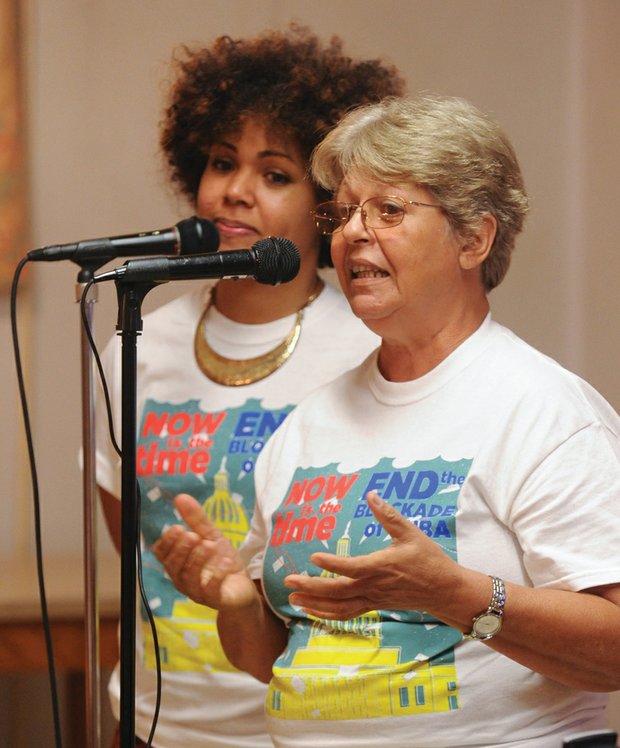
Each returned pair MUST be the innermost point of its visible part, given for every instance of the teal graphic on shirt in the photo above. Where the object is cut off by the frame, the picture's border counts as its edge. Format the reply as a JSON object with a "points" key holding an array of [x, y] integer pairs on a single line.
{"points": [[386, 662], [211, 456]]}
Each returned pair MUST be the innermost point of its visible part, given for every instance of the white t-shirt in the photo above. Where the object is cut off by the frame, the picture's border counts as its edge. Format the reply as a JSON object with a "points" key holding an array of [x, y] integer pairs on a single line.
{"points": [[201, 438], [512, 465]]}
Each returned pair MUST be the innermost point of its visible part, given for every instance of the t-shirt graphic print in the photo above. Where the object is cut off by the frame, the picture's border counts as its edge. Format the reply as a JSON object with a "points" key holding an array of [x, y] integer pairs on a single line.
{"points": [[211, 456], [390, 662]]}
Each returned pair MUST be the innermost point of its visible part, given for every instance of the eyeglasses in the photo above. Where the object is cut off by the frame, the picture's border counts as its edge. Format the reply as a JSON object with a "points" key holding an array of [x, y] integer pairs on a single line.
{"points": [[381, 212]]}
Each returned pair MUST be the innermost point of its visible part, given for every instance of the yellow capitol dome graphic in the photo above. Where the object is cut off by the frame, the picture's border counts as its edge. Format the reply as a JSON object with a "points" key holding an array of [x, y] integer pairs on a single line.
{"points": [[188, 639], [224, 511]]}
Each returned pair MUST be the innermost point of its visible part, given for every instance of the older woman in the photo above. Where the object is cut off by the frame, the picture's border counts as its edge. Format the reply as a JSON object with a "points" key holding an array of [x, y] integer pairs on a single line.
{"points": [[477, 602]]}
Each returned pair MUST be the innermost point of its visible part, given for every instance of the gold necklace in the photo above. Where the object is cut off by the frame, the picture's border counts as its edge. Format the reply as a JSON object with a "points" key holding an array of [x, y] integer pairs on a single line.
{"points": [[234, 372]]}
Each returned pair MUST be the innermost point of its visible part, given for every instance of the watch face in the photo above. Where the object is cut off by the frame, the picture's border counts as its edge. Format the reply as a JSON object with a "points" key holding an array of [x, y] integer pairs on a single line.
{"points": [[487, 624]]}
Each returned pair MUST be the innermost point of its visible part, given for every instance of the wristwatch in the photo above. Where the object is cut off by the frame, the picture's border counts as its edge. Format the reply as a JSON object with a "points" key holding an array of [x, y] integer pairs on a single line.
{"points": [[488, 623]]}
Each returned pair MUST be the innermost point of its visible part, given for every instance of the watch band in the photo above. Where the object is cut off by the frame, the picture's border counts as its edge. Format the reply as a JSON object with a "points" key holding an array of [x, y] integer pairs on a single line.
{"points": [[489, 623]]}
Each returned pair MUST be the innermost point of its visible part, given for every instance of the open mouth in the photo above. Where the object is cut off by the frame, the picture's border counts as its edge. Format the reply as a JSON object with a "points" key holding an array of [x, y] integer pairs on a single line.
{"points": [[359, 272]]}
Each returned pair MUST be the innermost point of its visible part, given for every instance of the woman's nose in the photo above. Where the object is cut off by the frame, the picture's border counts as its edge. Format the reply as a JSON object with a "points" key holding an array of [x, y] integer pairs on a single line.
{"points": [[355, 227], [240, 188]]}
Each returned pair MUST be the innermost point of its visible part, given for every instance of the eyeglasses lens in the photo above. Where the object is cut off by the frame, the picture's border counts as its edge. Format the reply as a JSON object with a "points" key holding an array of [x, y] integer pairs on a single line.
{"points": [[331, 217], [383, 212]]}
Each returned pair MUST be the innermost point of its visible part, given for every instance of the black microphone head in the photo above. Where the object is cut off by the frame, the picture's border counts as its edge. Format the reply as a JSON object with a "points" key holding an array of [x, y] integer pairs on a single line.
{"points": [[277, 260], [197, 236]]}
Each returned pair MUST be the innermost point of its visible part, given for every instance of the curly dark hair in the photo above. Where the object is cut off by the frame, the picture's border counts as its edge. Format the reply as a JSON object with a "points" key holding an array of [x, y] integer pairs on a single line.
{"points": [[289, 79]]}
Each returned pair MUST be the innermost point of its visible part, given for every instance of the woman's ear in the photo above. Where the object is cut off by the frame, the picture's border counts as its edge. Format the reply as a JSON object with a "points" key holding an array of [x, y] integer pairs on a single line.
{"points": [[477, 247]]}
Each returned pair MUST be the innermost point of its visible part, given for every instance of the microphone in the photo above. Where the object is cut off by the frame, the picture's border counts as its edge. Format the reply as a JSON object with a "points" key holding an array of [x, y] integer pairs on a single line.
{"points": [[190, 236], [272, 260]]}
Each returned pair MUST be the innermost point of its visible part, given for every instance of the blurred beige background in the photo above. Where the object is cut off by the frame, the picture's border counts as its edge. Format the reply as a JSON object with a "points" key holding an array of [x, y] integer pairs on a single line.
{"points": [[94, 72]]}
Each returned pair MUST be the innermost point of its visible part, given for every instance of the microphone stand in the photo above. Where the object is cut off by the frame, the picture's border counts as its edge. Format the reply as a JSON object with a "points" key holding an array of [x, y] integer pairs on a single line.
{"points": [[92, 692], [130, 297]]}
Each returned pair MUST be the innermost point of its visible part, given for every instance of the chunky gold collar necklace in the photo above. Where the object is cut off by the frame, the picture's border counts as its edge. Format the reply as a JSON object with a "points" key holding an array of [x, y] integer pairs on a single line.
{"points": [[234, 372]]}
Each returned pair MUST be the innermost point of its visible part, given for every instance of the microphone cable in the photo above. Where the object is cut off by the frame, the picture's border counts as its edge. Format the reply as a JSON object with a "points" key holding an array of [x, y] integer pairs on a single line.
{"points": [[37, 507], [45, 620]]}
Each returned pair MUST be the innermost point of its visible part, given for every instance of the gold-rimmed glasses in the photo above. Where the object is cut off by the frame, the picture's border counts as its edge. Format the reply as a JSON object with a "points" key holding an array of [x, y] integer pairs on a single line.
{"points": [[381, 212]]}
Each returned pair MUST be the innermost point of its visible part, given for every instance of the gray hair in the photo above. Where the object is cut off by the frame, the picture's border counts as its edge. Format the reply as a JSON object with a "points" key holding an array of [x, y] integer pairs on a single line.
{"points": [[445, 145]]}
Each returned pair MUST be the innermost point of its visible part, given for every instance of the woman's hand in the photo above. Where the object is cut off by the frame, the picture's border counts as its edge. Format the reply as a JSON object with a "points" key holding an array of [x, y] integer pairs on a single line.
{"points": [[202, 563], [412, 573]]}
